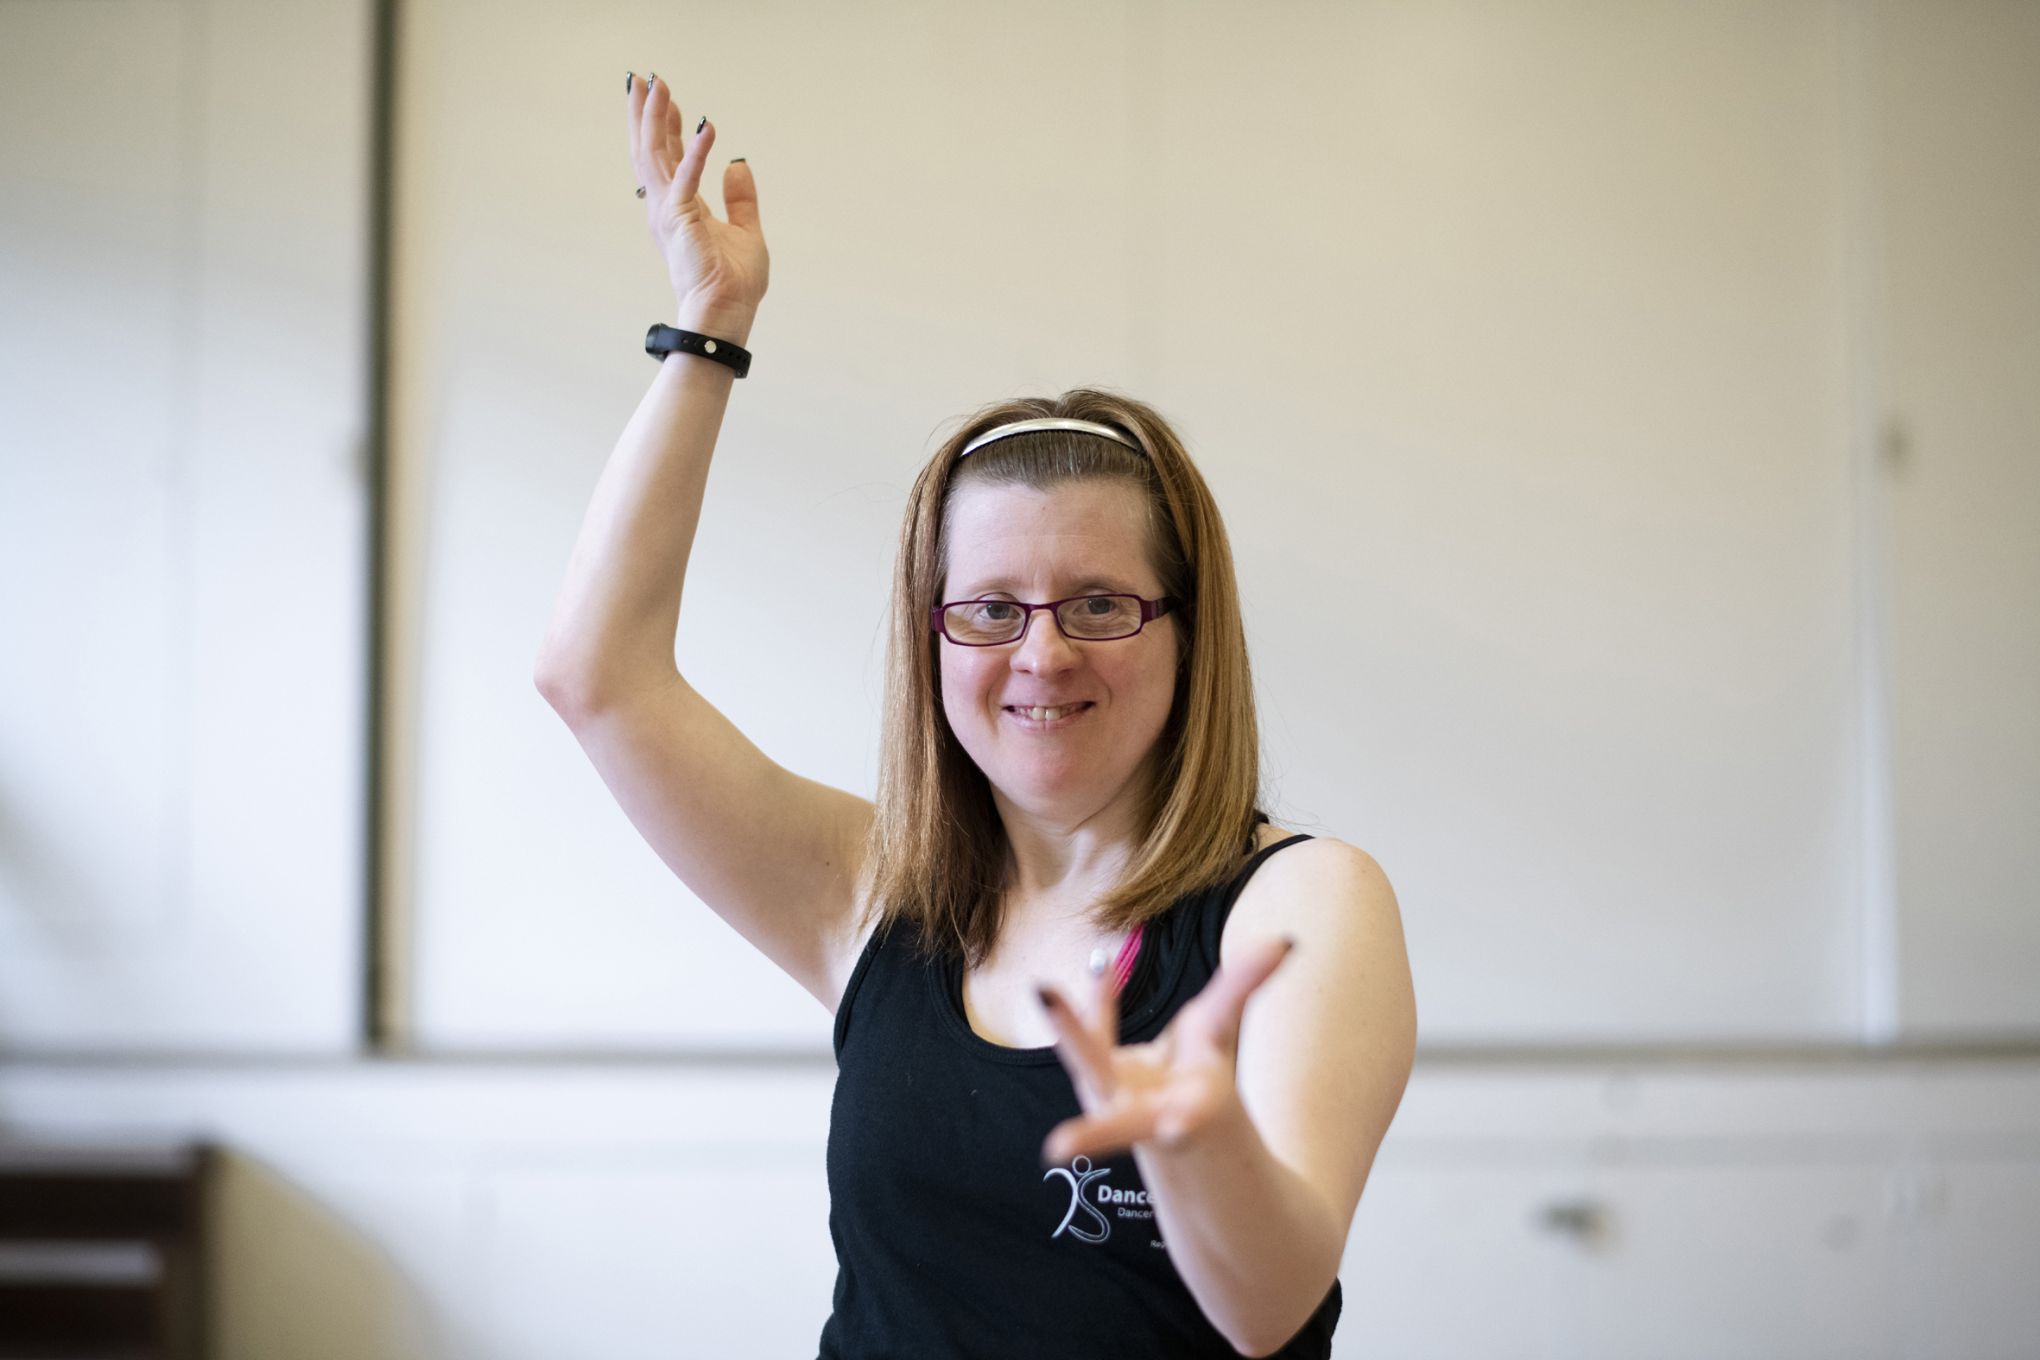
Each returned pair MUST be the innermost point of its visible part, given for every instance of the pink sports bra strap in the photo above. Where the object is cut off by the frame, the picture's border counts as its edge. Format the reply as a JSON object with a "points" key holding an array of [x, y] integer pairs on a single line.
{"points": [[1122, 967]]}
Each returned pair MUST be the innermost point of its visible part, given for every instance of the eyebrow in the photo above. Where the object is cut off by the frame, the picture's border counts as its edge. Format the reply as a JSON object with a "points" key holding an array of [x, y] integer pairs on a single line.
{"points": [[1006, 584]]}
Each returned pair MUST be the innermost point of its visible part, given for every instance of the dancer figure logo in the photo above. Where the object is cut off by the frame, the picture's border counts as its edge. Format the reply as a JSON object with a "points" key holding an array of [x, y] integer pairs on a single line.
{"points": [[1084, 1175]]}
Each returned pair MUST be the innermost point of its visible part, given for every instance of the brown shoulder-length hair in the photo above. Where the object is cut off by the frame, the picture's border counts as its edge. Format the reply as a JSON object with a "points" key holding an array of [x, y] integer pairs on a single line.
{"points": [[937, 848]]}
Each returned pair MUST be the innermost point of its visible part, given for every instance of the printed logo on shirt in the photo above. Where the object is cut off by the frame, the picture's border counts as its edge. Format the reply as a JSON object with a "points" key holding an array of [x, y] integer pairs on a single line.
{"points": [[1079, 1175]]}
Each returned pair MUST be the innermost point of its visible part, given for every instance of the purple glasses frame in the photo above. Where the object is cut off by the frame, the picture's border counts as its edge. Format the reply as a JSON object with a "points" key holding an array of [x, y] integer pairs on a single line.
{"points": [[1150, 610]]}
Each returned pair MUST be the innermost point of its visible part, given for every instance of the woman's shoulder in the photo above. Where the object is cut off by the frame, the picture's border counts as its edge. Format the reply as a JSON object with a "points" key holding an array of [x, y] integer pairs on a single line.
{"points": [[1284, 883]]}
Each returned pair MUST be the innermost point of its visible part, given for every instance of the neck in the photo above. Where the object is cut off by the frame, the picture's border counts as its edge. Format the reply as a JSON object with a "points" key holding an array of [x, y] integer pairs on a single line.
{"points": [[1056, 856]]}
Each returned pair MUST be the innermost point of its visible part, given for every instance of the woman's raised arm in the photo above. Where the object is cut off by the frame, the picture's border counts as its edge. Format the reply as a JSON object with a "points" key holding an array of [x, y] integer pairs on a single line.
{"points": [[777, 856], [614, 624]]}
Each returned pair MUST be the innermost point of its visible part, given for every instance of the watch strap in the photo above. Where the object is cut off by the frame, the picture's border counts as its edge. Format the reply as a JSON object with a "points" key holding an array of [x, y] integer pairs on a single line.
{"points": [[662, 340]]}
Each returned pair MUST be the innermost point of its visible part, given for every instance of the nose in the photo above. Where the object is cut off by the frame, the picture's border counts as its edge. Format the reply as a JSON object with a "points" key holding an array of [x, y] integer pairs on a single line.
{"points": [[1042, 645]]}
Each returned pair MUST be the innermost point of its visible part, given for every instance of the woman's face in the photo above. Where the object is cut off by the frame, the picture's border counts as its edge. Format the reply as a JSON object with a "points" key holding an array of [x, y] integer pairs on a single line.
{"points": [[1018, 543]]}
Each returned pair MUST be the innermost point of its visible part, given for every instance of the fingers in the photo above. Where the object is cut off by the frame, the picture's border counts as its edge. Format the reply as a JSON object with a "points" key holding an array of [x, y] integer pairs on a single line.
{"points": [[689, 170], [1212, 1017], [644, 140], [739, 194], [660, 119], [665, 157], [672, 146], [1083, 1048], [654, 152], [1105, 1006], [1100, 1135]]}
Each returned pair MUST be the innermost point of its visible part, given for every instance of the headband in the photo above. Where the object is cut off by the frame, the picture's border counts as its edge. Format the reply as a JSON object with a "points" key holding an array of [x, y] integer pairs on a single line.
{"points": [[1046, 423]]}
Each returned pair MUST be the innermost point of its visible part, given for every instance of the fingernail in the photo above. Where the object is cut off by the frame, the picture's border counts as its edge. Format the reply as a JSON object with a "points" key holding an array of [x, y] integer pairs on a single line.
{"points": [[1288, 943], [652, 80], [628, 77], [700, 125], [1047, 997], [735, 159]]}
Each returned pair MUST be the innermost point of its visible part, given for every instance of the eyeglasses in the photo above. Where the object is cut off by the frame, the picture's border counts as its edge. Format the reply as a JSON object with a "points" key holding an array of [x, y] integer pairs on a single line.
{"points": [[1082, 618]]}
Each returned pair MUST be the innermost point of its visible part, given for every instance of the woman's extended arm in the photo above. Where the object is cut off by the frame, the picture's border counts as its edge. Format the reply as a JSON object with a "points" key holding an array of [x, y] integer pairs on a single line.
{"points": [[775, 855], [618, 612], [614, 624], [1255, 1132]]}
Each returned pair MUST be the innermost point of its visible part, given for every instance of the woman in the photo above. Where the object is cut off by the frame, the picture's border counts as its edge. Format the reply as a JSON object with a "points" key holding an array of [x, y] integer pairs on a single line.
{"points": [[1115, 1052]]}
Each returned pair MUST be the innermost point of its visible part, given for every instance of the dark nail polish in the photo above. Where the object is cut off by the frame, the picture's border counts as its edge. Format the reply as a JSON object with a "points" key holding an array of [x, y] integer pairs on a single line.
{"points": [[628, 77], [700, 125], [652, 80], [735, 159], [1047, 997]]}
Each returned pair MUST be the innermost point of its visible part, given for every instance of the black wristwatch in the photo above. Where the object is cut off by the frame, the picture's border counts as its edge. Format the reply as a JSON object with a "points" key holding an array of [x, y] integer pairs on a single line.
{"points": [[662, 340]]}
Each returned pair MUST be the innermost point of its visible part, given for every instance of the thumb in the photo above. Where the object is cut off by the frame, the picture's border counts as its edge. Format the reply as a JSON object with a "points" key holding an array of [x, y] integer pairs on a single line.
{"points": [[740, 195], [1215, 1014]]}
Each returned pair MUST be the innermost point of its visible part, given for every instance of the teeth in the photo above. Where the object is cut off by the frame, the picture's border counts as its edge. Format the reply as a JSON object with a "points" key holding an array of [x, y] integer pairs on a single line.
{"points": [[1049, 714]]}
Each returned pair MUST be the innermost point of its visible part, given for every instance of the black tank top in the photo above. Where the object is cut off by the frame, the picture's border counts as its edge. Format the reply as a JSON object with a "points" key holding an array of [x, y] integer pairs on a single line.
{"points": [[951, 1240]]}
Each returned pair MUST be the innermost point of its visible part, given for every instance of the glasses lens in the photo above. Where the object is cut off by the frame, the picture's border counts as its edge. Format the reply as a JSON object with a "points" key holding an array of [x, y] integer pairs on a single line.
{"points": [[1101, 616], [981, 622]]}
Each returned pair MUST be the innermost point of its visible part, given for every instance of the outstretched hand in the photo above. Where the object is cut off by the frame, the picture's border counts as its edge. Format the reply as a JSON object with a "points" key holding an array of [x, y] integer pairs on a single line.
{"points": [[715, 266], [1162, 1092]]}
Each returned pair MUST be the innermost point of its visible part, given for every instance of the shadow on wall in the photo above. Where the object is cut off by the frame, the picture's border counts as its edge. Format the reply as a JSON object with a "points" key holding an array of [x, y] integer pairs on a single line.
{"points": [[293, 1280]]}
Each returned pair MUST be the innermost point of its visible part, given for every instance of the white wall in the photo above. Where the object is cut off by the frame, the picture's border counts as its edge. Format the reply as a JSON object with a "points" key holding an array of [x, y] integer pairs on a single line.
{"points": [[1557, 344], [183, 245], [1649, 378]]}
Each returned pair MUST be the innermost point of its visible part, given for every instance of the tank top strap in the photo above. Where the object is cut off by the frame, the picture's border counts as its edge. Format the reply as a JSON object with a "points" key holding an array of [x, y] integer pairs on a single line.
{"points": [[1124, 966], [1216, 907], [1179, 950]]}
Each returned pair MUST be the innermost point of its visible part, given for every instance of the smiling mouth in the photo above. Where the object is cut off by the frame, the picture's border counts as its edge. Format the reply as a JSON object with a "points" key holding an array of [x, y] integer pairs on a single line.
{"points": [[1052, 714]]}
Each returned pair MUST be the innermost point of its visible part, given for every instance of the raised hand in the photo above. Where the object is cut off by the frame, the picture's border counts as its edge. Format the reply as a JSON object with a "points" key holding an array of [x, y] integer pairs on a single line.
{"points": [[1163, 1091], [717, 268]]}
